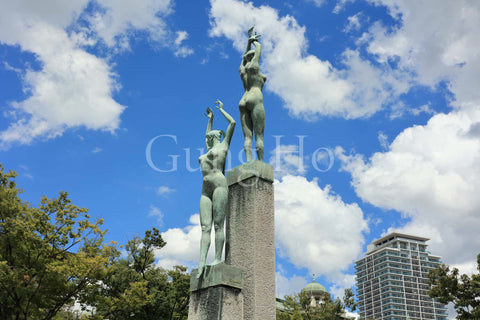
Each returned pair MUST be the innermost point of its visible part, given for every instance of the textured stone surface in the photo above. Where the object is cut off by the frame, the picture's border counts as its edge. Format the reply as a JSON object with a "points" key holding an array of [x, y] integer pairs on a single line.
{"points": [[220, 274], [216, 303], [250, 241]]}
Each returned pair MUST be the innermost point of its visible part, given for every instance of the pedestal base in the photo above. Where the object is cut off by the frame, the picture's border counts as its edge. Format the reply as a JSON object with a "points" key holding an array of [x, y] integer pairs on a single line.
{"points": [[217, 294], [250, 236], [216, 303]]}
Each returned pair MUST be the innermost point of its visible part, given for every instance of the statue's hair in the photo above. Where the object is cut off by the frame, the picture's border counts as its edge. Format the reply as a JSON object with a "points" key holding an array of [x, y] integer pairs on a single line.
{"points": [[221, 132]]}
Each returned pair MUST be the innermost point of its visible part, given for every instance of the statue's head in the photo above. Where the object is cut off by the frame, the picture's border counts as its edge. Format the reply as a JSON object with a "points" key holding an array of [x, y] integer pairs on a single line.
{"points": [[249, 55], [214, 137]]}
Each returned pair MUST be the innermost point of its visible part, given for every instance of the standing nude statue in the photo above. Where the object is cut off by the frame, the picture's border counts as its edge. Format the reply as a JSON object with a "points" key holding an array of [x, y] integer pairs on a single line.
{"points": [[252, 112], [213, 202]]}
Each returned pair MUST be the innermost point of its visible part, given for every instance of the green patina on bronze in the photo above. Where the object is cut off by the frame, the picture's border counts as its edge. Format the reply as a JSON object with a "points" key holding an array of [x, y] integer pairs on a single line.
{"points": [[220, 274], [252, 111], [213, 202]]}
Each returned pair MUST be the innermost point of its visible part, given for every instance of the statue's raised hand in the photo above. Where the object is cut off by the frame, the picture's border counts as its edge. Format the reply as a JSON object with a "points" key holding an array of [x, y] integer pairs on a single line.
{"points": [[209, 113], [254, 38], [219, 104]]}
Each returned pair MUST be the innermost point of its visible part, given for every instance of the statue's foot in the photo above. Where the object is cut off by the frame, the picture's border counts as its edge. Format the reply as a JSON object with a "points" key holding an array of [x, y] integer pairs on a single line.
{"points": [[201, 267], [216, 261]]}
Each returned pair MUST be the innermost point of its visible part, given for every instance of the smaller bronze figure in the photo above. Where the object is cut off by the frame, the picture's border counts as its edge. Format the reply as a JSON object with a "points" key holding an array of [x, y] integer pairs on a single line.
{"points": [[213, 202]]}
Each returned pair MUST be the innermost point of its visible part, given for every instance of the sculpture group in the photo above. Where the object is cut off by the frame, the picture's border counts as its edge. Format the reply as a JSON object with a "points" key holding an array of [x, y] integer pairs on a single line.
{"points": [[213, 202], [239, 206]]}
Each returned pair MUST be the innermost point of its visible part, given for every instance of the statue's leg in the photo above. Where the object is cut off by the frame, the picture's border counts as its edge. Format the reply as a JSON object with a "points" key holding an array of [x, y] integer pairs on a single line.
{"points": [[220, 198], [206, 223], [258, 117], [247, 127]]}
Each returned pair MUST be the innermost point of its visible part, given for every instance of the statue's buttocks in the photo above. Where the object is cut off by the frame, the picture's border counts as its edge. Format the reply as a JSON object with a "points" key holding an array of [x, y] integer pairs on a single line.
{"points": [[252, 111]]}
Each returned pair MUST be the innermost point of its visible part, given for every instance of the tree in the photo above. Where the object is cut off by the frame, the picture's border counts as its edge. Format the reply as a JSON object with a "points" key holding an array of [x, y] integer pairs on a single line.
{"points": [[462, 290], [134, 287], [48, 255], [297, 307]]}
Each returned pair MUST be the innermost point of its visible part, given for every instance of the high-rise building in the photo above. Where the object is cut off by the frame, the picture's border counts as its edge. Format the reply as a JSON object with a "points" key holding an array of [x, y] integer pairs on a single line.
{"points": [[392, 280]]}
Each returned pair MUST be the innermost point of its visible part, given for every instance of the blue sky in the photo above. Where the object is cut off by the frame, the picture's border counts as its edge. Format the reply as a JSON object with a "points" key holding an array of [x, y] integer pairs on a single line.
{"points": [[386, 89]]}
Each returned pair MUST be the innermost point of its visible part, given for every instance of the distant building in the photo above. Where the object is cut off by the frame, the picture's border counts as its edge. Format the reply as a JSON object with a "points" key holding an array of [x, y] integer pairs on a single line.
{"points": [[316, 292], [392, 280]]}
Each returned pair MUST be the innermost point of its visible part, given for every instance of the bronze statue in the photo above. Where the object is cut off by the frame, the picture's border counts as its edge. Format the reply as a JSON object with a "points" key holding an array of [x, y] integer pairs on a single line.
{"points": [[213, 202], [252, 112]]}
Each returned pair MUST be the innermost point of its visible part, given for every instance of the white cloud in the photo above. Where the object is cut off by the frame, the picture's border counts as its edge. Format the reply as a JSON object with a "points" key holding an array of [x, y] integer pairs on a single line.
{"points": [[164, 190], [72, 88], [431, 175], [288, 286], [97, 150], [182, 51], [383, 139], [353, 23], [422, 109], [431, 48], [183, 245], [288, 159], [341, 5], [468, 268], [117, 18], [309, 86], [157, 213], [318, 3], [340, 284], [315, 229]]}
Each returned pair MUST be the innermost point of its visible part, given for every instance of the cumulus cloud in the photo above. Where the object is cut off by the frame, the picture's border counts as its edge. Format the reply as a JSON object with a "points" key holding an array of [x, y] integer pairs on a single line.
{"points": [[431, 175], [309, 87], [116, 18], [288, 286], [315, 229], [432, 49], [288, 159], [72, 87], [183, 245]]}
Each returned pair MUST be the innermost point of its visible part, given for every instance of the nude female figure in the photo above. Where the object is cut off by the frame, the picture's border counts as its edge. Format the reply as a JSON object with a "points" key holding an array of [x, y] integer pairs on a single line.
{"points": [[252, 112], [213, 202]]}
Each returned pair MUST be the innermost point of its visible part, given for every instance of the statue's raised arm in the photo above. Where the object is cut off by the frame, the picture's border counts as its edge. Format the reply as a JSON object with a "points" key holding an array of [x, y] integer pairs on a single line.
{"points": [[252, 111]]}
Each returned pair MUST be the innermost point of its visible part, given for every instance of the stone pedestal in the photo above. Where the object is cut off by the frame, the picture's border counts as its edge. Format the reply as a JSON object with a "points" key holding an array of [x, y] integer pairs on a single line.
{"points": [[217, 294], [250, 236]]}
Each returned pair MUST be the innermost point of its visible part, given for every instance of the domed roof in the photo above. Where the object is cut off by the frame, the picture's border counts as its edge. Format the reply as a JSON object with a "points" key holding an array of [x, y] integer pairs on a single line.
{"points": [[315, 288]]}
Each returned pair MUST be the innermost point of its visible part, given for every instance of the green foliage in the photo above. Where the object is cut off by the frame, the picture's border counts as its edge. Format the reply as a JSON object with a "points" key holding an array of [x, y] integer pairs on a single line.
{"points": [[133, 287], [48, 255], [462, 290], [297, 307]]}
